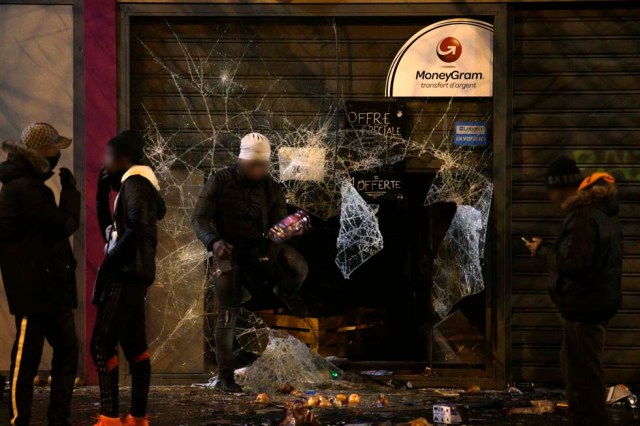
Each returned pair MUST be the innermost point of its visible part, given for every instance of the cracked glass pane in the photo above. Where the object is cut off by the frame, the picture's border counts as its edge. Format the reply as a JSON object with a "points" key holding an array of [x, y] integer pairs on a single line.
{"points": [[314, 160], [457, 266]]}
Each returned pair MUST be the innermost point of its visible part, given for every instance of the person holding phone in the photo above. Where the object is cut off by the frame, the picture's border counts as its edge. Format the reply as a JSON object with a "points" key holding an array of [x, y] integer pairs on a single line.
{"points": [[235, 210], [585, 264]]}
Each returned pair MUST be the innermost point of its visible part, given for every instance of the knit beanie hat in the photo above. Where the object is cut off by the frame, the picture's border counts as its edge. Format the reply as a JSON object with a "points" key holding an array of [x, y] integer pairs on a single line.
{"points": [[129, 144], [563, 172], [255, 147]]}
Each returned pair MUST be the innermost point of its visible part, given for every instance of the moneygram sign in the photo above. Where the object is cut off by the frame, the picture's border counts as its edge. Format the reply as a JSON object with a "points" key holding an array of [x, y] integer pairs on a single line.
{"points": [[451, 58]]}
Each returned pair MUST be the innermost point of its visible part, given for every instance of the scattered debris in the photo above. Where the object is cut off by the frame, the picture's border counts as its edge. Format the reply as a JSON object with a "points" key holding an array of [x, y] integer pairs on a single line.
{"points": [[313, 401], [446, 393], [382, 401], [262, 398], [474, 389], [621, 393], [416, 422], [286, 388], [538, 407], [297, 414], [354, 399], [192, 405], [377, 373], [325, 402], [545, 405], [337, 361], [632, 401], [428, 372], [513, 391], [342, 398], [448, 414], [524, 386]]}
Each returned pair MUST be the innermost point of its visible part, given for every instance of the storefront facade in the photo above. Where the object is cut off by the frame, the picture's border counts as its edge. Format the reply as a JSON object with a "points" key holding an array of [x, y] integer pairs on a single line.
{"points": [[302, 60], [564, 80]]}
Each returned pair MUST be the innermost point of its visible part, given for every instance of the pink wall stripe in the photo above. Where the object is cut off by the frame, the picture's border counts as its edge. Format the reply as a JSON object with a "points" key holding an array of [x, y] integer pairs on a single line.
{"points": [[101, 124]]}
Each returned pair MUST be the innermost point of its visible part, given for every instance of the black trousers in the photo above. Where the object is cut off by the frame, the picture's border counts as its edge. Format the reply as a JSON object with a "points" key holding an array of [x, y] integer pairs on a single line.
{"points": [[60, 331], [283, 272], [121, 320], [581, 361]]}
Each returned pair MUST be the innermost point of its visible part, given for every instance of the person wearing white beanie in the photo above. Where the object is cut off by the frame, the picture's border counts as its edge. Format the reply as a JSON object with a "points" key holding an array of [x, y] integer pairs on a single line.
{"points": [[254, 157], [255, 147], [234, 211]]}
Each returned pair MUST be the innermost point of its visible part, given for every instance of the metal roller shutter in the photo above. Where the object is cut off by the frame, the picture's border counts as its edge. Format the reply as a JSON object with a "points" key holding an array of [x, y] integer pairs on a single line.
{"points": [[286, 66], [576, 91]]}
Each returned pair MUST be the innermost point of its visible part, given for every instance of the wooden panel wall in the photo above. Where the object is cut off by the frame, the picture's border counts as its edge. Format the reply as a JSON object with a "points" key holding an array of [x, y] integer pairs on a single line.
{"points": [[576, 91]]}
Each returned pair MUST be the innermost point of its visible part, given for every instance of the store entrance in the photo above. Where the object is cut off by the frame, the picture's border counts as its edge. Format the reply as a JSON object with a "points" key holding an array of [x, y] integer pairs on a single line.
{"points": [[293, 79], [384, 310]]}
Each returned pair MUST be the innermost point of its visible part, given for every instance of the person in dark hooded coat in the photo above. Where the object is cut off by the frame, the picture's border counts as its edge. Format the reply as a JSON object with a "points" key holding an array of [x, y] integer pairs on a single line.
{"points": [[585, 281], [128, 269], [38, 269], [233, 214]]}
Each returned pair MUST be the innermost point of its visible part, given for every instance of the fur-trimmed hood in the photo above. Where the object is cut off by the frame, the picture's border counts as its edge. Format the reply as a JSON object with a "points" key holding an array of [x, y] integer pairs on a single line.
{"points": [[601, 194], [147, 173], [22, 161], [144, 171]]}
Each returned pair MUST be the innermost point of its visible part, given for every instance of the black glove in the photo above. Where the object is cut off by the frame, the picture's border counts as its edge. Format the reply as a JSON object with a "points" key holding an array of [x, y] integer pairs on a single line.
{"points": [[104, 186], [66, 178]]}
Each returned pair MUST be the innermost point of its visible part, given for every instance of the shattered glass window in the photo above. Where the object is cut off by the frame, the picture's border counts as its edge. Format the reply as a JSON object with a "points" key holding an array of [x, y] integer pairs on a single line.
{"points": [[458, 270], [198, 87]]}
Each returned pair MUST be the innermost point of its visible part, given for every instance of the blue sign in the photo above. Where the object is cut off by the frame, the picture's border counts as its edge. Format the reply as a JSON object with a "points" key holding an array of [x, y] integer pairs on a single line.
{"points": [[469, 133]]}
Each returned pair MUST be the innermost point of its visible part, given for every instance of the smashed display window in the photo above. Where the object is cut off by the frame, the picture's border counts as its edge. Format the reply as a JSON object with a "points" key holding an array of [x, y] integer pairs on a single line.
{"points": [[401, 217]]}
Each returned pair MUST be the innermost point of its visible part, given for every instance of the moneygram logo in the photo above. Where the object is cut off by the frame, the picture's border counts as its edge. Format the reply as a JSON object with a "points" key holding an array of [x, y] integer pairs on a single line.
{"points": [[449, 49]]}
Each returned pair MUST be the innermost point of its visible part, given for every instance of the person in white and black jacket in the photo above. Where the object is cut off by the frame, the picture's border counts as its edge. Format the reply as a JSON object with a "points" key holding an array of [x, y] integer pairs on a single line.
{"points": [[38, 269], [127, 271]]}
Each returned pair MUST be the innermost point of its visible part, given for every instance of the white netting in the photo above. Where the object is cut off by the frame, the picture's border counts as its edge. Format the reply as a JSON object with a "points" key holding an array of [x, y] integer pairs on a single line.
{"points": [[287, 360], [457, 267], [359, 237]]}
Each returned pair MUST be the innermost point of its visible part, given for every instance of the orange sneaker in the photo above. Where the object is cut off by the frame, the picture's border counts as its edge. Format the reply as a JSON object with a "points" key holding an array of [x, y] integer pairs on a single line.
{"points": [[136, 421], [108, 421]]}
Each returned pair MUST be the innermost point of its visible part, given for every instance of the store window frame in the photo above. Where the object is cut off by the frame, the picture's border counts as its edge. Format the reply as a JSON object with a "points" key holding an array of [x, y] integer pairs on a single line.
{"points": [[497, 372]]}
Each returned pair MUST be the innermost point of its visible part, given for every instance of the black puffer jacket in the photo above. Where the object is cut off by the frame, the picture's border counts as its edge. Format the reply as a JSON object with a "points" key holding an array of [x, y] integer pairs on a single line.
{"points": [[37, 263], [236, 210], [586, 259], [138, 208]]}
